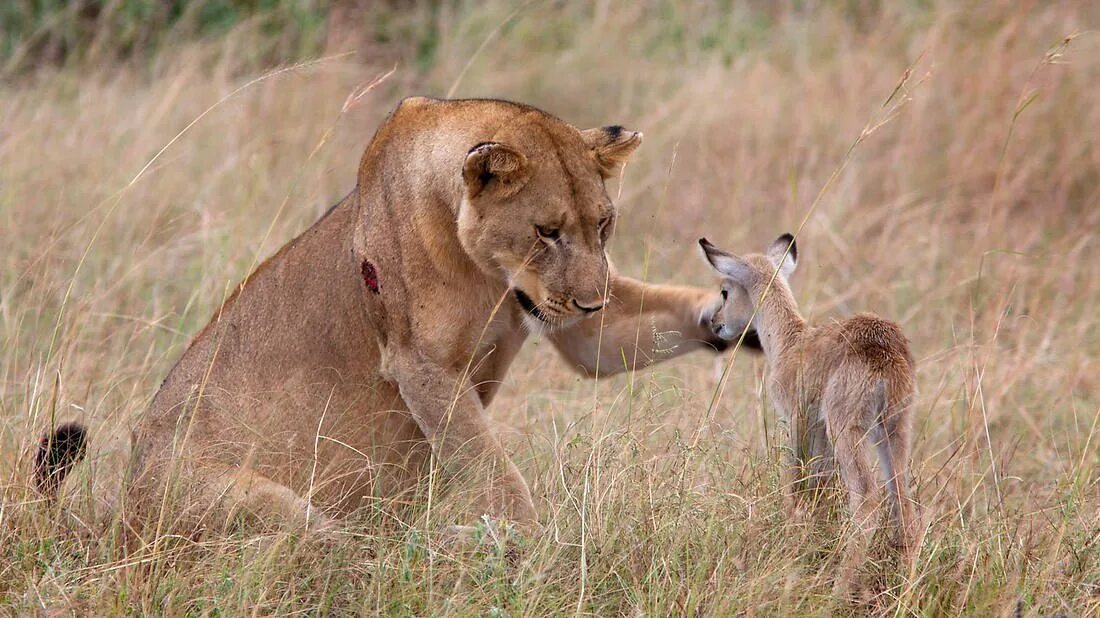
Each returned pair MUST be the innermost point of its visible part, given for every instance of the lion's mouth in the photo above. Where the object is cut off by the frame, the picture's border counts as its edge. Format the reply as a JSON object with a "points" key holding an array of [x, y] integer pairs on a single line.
{"points": [[529, 306], [752, 340]]}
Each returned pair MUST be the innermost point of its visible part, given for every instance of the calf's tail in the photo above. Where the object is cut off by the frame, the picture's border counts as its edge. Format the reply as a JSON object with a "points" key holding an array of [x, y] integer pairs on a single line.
{"points": [[881, 438]]}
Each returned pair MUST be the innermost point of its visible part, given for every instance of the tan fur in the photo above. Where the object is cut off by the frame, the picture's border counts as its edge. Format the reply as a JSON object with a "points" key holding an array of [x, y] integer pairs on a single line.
{"points": [[311, 394], [845, 389]]}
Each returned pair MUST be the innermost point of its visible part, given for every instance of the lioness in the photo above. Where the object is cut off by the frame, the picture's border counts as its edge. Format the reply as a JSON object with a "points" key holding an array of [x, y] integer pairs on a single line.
{"points": [[379, 336]]}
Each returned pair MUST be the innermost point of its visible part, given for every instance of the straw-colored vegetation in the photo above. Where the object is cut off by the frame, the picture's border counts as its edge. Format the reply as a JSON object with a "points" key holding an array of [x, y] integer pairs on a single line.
{"points": [[138, 187]]}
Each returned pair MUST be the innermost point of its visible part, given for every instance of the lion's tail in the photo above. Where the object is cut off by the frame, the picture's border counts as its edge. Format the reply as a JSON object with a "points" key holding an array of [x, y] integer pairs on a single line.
{"points": [[58, 451]]}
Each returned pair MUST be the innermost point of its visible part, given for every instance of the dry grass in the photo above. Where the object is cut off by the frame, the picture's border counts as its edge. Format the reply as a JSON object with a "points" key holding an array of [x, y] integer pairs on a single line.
{"points": [[970, 217]]}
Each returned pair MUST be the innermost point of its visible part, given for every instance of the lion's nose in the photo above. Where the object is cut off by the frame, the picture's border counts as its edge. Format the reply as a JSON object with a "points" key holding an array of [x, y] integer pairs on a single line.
{"points": [[593, 308]]}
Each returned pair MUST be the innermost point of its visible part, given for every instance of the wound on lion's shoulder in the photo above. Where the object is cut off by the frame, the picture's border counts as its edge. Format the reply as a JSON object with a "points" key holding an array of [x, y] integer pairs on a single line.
{"points": [[370, 276]]}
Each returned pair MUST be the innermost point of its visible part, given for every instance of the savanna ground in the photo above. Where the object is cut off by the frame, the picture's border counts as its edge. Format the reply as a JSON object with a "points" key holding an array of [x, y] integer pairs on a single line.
{"points": [[141, 178]]}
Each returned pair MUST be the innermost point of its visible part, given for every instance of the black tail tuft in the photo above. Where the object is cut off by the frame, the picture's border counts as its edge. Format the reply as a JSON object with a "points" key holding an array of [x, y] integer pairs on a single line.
{"points": [[57, 453]]}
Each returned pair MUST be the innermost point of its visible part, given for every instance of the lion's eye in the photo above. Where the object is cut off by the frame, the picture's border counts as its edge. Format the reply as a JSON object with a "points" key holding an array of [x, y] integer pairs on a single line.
{"points": [[725, 295], [548, 233], [602, 226]]}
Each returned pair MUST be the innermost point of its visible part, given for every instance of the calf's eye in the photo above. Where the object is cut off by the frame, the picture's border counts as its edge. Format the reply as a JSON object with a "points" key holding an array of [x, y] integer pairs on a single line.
{"points": [[725, 295]]}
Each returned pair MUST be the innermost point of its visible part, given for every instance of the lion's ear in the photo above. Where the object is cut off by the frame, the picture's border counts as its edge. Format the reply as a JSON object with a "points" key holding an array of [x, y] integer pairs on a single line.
{"points": [[612, 146], [496, 167]]}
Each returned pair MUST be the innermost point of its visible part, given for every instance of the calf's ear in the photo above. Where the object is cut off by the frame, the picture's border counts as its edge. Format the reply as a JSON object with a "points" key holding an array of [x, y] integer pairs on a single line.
{"points": [[783, 254], [727, 264], [611, 146]]}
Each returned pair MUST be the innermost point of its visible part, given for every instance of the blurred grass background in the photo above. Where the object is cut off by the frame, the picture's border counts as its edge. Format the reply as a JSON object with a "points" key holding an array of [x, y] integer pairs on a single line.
{"points": [[149, 157]]}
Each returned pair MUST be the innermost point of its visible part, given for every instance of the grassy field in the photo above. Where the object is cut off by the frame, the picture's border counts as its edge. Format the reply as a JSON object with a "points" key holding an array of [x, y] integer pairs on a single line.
{"points": [[136, 192]]}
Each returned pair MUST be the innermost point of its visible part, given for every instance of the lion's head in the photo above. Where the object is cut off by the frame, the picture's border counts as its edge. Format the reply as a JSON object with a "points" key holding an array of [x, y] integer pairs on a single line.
{"points": [[536, 212]]}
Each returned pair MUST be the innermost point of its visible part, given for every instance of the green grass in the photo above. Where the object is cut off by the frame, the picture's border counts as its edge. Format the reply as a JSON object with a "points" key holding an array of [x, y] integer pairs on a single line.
{"points": [[36, 33], [968, 219]]}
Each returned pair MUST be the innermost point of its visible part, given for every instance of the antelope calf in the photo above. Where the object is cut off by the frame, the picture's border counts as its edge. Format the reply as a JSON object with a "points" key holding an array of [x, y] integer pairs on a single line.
{"points": [[845, 389]]}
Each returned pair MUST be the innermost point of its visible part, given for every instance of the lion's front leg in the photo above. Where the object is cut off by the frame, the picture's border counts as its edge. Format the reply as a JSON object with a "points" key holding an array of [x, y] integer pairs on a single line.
{"points": [[447, 409], [642, 324]]}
